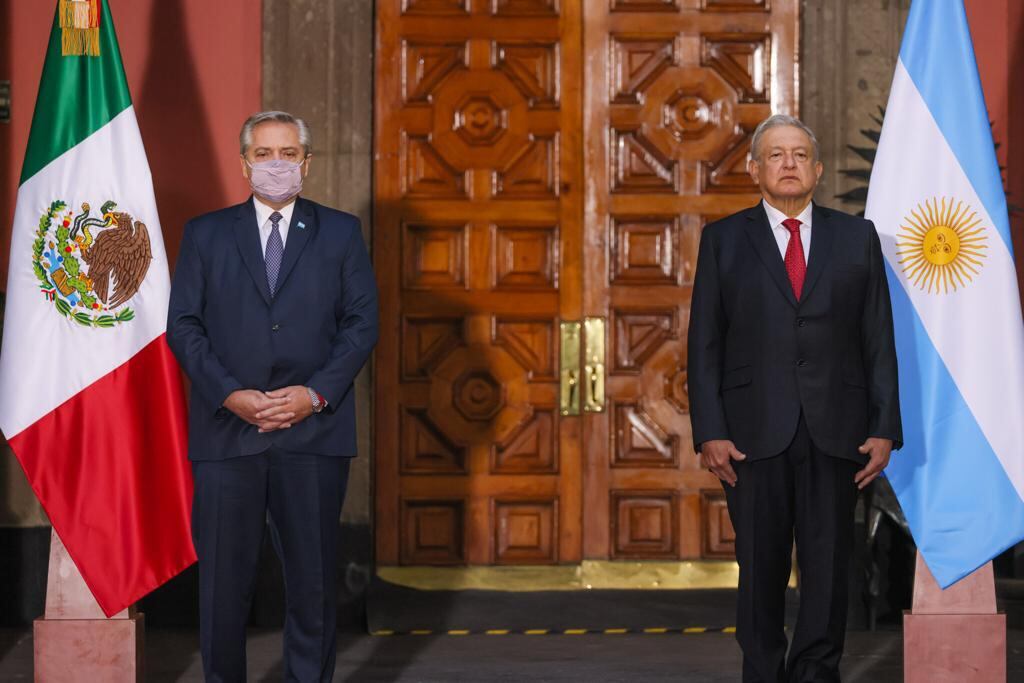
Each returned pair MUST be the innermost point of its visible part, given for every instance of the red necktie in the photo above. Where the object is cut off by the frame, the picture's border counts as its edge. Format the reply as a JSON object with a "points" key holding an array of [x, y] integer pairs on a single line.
{"points": [[796, 266]]}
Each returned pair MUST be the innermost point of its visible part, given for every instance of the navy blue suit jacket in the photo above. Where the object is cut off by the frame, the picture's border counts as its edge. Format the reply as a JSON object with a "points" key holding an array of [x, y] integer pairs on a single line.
{"points": [[228, 333], [758, 358]]}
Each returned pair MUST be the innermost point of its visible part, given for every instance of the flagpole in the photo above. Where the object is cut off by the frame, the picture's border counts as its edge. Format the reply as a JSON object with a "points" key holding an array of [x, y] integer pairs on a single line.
{"points": [[954, 634], [74, 641]]}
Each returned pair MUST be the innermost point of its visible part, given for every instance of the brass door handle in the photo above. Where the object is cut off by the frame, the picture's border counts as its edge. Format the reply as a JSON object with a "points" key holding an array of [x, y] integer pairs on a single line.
{"points": [[569, 391], [595, 373], [593, 330]]}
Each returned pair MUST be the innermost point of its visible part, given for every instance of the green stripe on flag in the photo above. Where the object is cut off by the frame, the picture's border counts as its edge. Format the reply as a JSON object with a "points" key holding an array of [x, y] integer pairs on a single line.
{"points": [[78, 95]]}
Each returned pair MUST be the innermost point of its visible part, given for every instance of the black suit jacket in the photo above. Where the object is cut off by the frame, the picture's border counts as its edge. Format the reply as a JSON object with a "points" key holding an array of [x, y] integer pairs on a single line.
{"points": [[228, 333], [758, 357]]}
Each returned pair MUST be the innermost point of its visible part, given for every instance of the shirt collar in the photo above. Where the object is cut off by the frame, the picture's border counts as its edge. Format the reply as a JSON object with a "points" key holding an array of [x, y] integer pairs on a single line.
{"points": [[263, 212], [775, 217]]}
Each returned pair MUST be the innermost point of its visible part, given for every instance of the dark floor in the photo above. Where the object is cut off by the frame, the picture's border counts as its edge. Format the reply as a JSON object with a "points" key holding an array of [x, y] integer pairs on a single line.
{"points": [[396, 608], [172, 655]]}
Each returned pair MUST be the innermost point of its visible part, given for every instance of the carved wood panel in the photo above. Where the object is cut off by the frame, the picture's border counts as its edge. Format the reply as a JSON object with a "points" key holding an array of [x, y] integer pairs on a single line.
{"points": [[435, 531], [719, 534], [478, 225], [434, 256], [531, 448], [426, 340], [673, 92], [532, 342], [645, 5], [539, 161], [644, 250], [525, 531], [425, 448], [435, 7], [639, 439], [525, 257], [644, 524]]}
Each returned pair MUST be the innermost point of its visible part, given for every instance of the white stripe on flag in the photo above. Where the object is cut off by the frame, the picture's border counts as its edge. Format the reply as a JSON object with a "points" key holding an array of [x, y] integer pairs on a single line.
{"points": [[108, 165]]}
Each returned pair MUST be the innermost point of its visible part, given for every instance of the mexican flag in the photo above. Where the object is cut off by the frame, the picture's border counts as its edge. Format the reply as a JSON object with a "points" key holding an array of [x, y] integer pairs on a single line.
{"points": [[91, 400]]}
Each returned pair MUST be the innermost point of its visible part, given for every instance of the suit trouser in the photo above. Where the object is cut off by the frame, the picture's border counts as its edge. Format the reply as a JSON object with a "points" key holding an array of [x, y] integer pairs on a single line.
{"points": [[303, 494], [805, 493]]}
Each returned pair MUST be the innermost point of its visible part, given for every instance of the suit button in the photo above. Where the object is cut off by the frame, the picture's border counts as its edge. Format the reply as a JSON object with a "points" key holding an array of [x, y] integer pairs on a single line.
{"points": [[801, 363], [275, 328], [800, 322]]}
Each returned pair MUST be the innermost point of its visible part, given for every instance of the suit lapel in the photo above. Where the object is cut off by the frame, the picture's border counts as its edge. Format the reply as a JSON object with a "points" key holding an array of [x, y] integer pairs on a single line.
{"points": [[821, 248], [760, 233], [247, 236], [302, 227]]}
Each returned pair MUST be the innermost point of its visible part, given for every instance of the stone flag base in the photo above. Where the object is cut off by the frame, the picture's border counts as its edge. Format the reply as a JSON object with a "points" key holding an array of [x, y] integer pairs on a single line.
{"points": [[954, 635], [954, 648], [94, 650], [74, 641]]}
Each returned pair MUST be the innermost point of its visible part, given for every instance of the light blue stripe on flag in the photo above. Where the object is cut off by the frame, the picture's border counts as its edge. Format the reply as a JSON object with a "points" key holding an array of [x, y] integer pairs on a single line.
{"points": [[938, 54], [959, 502]]}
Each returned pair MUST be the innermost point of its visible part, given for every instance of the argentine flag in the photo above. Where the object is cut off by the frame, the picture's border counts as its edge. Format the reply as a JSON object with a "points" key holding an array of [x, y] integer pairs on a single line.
{"points": [[937, 201]]}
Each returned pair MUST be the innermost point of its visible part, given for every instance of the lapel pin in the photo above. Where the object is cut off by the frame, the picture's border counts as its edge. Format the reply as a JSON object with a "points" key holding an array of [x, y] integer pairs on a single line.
{"points": [[302, 225]]}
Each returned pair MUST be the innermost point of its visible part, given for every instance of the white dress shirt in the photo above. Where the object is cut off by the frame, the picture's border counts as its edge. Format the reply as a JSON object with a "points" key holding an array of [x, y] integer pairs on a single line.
{"points": [[263, 222], [781, 233]]}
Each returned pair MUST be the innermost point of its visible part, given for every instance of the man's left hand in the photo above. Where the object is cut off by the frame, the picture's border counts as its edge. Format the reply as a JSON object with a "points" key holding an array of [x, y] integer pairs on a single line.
{"points": [[299, 404], [878, 451]]}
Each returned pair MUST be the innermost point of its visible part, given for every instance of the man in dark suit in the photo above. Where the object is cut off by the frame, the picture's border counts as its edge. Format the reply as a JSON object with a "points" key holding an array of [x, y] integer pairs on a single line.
{"points": [[793, 396], [273, 312]]}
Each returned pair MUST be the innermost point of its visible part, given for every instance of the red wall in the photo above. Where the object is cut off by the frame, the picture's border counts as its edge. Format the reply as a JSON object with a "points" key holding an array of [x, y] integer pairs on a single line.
{"points": [[193, 67], [997, 28]]}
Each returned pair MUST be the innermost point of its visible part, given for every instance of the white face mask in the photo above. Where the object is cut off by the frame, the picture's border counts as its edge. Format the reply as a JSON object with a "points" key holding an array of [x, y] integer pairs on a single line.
{"points": [[277, 180]]}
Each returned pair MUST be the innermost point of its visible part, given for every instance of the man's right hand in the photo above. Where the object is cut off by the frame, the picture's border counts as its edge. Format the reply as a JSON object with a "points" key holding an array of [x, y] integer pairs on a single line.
{"points": [[717, 456], [249, 403]]}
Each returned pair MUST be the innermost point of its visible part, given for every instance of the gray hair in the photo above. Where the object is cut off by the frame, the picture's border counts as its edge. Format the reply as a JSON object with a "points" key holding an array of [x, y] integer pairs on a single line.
{"points": [[245, 137], [775, 121]]}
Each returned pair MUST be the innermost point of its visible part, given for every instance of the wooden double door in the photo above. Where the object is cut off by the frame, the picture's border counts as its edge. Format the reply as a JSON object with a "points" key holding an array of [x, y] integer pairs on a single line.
{"points": [[543, 171]]}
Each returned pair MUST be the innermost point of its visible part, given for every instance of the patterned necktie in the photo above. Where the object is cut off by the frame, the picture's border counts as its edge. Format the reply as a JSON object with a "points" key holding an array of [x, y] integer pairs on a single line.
{"points": [[275, 250], [796, 267]]}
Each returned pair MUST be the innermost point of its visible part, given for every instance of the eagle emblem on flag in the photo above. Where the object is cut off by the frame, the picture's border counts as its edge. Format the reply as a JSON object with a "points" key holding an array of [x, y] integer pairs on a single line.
{"points": [[90, 266]]}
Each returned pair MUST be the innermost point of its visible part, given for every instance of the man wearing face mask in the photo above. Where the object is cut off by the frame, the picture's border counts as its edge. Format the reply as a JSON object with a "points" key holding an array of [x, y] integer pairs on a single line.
{"points": [[273, 312]]}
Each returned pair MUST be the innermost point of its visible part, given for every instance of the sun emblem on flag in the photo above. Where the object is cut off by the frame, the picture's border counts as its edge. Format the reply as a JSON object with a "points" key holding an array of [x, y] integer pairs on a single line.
{"points": [[89, 267], [941, 245]]}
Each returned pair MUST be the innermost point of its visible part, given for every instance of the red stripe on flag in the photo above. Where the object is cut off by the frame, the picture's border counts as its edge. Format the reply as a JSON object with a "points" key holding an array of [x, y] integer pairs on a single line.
{"points": [[110, 467]]}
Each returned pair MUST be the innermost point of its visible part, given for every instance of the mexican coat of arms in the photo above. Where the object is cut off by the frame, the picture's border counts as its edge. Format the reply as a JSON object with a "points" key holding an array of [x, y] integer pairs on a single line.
{"points": [[90, 266]]}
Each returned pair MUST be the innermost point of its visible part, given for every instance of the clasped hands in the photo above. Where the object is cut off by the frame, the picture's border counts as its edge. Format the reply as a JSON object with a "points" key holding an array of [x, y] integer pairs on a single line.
{"points": [[271, 410], [718, 455]]}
